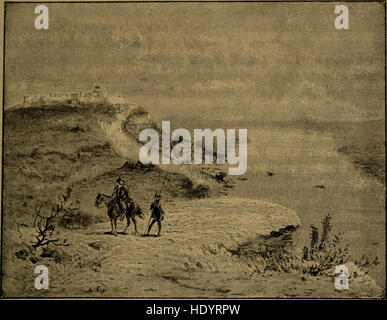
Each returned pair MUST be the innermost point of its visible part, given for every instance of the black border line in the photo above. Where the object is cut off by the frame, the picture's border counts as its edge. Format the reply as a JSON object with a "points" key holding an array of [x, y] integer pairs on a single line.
{"points": [[186, 298], [2, 159], [385, 152]]}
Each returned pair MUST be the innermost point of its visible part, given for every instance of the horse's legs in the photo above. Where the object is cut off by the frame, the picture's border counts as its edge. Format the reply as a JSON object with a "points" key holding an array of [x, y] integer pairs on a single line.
{"points": [[135, 226], [114, 232], [127, 223]]}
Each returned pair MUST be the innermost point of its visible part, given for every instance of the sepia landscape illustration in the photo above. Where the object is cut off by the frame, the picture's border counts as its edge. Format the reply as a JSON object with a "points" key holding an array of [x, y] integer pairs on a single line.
{"points": [[78, 202]]}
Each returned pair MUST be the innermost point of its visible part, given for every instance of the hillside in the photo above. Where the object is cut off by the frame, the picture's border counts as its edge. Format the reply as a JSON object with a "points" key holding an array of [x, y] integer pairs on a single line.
{"points": [[49, 149], [217, 246]]}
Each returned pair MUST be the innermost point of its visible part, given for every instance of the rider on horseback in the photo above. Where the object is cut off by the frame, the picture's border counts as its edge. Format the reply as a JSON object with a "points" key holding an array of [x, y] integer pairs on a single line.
{"points": [[121, 196]]}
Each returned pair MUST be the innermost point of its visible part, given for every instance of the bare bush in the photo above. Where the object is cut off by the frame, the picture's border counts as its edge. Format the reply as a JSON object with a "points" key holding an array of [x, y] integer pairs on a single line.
{"points": [[46, 224]]}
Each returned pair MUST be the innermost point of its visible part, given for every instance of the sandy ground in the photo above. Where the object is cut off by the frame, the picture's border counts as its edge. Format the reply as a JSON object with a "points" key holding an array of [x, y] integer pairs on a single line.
{"points": [[192, 258], [197, 235]]}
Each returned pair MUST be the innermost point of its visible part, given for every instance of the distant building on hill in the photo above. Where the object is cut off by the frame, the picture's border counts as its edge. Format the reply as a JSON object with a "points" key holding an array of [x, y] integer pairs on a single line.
{"points": [[74, 98]]}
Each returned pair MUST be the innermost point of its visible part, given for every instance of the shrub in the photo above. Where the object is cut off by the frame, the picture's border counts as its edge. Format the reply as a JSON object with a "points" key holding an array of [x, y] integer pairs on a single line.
{"points": [[45, 225], [319, 258], [200, 191], [138, 111], [71, 219], [219, 176]]}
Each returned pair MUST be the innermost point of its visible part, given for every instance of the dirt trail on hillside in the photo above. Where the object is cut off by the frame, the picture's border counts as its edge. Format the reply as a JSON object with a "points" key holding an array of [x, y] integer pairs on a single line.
{"points": [[124, 145]]}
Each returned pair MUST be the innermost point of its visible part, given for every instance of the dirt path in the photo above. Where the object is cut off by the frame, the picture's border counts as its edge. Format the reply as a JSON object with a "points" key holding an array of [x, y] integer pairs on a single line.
{"points": [[194, 257], [198, 238]]}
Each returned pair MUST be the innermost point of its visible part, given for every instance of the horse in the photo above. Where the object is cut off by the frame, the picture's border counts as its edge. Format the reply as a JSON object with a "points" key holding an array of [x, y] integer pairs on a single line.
{"points": [[113, 211]]}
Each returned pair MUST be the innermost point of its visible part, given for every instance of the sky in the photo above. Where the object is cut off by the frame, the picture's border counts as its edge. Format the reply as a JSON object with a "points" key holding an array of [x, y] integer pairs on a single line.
{"points": [[270, 61]]}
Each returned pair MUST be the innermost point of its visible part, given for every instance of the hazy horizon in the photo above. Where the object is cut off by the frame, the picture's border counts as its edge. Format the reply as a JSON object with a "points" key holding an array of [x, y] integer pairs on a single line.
{"points": [[280, 61]]}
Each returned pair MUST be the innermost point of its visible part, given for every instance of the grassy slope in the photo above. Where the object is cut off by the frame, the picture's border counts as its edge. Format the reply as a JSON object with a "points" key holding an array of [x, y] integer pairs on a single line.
{"points": [[48, 149], [365, 145]]}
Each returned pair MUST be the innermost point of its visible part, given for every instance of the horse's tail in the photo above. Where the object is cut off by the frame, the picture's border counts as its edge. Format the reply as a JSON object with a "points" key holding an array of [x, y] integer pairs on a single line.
{"points": [[137, 209]]}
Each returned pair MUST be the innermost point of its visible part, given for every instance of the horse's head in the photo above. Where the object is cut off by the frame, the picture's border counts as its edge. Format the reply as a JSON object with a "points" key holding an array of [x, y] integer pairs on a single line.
{"points": [[98, 200]]}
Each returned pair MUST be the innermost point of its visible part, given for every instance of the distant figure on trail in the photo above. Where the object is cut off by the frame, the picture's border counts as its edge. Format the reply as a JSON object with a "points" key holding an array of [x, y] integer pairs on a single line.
{"points": [[121, 195], [157, 213]]}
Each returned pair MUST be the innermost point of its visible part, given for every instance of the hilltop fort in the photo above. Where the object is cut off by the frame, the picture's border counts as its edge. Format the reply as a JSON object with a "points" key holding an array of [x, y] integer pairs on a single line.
{"points": [[74, 98]]}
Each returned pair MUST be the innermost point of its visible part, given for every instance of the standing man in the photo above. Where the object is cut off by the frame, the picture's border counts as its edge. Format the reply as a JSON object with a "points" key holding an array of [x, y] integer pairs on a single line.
{"points": [[157, 214], [121, 195]]}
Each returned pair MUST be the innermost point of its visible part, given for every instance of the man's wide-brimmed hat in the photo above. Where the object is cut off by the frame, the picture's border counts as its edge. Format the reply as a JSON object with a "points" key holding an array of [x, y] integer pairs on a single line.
{"points": [[120, 179]]}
